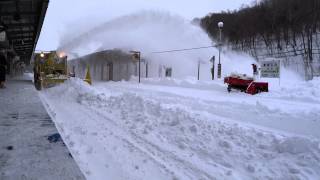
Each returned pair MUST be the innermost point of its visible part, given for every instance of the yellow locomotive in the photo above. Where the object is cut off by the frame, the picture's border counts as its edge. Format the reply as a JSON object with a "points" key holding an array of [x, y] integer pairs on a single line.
{"points": [[50, 68]]}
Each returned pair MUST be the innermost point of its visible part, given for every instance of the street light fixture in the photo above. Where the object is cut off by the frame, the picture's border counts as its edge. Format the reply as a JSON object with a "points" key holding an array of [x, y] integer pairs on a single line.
{"points": [[220, 25]]}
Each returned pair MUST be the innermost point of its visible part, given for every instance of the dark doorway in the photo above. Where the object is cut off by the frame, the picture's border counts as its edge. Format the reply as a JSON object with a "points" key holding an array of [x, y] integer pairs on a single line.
{"points": [[107, 72], [110, 71]]}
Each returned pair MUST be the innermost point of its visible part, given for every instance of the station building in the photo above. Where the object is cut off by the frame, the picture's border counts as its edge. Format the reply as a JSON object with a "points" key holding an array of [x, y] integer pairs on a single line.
{"points": [[109, 65]]}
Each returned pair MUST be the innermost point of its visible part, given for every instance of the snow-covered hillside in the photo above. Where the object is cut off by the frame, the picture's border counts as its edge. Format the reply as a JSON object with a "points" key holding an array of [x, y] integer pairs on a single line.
{"points": [[185, 129]]}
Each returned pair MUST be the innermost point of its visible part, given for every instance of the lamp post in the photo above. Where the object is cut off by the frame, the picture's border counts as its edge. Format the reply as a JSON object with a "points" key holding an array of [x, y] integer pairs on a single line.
{"points": [[147, 68], [220, 25]]}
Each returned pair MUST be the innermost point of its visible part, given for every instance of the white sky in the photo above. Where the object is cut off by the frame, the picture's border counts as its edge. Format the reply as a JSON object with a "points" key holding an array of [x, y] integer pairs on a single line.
{"points": [[64, 13]]}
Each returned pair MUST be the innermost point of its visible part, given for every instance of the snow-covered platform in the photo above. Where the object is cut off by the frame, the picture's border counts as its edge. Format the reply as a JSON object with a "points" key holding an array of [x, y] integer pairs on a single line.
{"points": [[25, 152]]}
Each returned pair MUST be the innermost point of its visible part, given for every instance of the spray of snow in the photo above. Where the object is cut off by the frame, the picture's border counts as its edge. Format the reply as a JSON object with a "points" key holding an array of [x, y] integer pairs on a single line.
{"points": [[150, 31]]}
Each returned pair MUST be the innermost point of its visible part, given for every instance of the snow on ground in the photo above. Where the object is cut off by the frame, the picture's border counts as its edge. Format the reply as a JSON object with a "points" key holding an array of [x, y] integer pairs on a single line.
{"points": [[183, 129]]}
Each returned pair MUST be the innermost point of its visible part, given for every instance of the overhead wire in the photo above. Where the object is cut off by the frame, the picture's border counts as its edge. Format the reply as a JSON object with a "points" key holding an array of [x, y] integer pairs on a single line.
{"points": [[185, 49]]}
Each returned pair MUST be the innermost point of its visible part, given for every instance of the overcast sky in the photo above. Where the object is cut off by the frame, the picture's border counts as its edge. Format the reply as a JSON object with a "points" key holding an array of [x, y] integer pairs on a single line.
{"points": [[64, 13]]}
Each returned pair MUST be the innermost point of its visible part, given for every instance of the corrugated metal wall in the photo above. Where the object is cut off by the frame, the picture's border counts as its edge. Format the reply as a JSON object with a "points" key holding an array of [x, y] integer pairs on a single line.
{"points": [[110, 65]]}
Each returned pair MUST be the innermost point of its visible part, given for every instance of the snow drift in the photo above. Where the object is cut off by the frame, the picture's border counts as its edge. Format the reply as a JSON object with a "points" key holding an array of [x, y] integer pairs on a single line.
{"points": [[124, 131]]}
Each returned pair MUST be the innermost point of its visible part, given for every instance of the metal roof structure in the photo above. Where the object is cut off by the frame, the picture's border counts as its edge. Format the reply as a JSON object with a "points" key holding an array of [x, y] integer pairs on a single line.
{"points": [[22, 22]]}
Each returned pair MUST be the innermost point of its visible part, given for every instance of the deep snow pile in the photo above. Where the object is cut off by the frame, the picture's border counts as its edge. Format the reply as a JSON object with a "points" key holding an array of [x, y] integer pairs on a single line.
{"points": [[188, 82], [301, 90], [288, 88], [130, 131], [273, 109]]}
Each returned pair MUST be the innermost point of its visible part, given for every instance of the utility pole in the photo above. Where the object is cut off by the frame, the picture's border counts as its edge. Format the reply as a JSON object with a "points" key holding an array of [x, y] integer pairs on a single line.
{"points": [[220, 25], [147, 69], [198, 70], [137, 56], [212, 69], [199, 64]]}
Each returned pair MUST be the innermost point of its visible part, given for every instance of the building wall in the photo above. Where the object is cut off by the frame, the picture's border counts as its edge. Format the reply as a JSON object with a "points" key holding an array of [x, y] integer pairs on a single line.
{"points": [[110, 65]]}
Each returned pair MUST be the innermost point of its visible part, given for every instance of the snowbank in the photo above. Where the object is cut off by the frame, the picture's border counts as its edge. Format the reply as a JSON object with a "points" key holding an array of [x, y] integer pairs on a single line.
{"points": [[299, 90], [188, 82]]}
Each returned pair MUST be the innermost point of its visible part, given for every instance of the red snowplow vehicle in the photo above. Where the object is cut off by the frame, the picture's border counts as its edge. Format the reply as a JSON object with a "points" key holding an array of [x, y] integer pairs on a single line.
{"points": [[245, 84]]}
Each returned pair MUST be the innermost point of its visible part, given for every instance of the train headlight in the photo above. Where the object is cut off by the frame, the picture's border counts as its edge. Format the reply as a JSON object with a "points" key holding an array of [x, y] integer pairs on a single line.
{"points": [[61, 55]]}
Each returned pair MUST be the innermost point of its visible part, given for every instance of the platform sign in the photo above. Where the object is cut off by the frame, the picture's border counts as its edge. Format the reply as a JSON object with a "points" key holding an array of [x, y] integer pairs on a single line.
{"points": [[270, 69]]}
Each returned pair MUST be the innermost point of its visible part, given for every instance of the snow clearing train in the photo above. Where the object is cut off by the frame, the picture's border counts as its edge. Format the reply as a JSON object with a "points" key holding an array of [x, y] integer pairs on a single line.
{"points": [[50, 68]]}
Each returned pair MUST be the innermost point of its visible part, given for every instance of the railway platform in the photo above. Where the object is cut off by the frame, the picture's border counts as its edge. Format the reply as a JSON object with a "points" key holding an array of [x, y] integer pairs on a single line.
{"points": [[25, 152]]}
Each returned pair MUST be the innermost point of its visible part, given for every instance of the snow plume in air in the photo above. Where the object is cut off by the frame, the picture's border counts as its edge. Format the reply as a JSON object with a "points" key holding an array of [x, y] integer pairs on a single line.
{"points": [[154, 31]]}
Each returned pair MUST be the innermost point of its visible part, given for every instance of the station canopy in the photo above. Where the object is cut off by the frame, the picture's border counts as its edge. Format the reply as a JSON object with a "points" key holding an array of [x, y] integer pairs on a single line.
{"points": [[20, 26]]}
